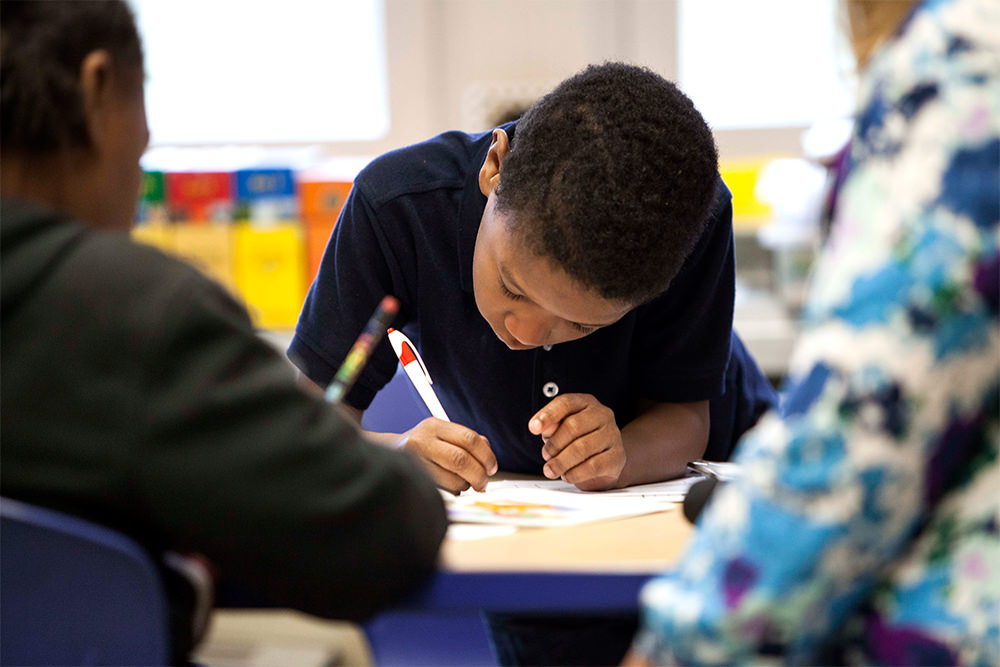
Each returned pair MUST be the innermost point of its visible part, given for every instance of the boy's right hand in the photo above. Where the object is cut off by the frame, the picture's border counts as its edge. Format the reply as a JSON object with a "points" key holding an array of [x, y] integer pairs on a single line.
{"points": [[455, 456]]}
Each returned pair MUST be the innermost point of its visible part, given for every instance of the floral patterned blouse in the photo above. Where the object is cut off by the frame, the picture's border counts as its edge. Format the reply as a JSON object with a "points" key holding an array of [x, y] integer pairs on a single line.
{"points": [[865, 527]]}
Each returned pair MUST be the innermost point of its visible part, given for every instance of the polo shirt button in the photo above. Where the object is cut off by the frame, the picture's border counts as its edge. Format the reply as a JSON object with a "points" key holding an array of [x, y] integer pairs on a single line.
{"points": [[547, 348], [550, 389]]}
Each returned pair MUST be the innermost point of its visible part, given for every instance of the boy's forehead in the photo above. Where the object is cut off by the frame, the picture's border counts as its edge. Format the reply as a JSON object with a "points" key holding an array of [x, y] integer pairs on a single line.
{"points": [[504, 234]]}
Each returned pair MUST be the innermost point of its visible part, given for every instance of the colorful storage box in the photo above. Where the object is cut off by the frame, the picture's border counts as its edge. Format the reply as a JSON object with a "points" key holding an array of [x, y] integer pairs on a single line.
{"points": [[208, 247], [323, 200], [741, 177], [200, 196], [266, 195], [269, 268], [317, 236], [153, 201]]}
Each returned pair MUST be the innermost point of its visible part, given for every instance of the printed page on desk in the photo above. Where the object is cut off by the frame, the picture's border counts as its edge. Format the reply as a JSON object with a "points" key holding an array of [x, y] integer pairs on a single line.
{"points": [[556, 503]]}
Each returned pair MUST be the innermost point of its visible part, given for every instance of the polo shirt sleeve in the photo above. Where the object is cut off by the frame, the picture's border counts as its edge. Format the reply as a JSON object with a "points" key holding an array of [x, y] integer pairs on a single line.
{"points": [[358, 269], [682, 338]]}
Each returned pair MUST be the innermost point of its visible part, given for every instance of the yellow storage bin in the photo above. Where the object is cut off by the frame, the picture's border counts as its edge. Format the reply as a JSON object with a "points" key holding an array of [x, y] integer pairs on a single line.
{"points": [[208, 247], [741, 177], [155, 234], [269, 267]]}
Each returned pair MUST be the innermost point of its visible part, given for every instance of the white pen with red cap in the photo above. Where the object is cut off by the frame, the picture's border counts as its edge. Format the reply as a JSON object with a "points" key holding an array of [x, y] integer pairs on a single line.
{"points": [[416, 371]]}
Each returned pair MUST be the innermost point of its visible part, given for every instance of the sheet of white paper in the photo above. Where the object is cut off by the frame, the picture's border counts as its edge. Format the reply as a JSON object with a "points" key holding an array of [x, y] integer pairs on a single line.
{"points": [[557, 503], [674, 489]]}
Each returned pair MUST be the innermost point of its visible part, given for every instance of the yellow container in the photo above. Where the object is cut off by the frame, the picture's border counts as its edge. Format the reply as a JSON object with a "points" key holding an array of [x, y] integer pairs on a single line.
{"points": [[269, 267], [155, 234], [741, 177], [209, 248]]}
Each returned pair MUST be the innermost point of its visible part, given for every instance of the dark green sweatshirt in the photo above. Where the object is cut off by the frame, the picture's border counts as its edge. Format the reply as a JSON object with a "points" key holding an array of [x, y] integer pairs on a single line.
{"points": [[135, 393]]}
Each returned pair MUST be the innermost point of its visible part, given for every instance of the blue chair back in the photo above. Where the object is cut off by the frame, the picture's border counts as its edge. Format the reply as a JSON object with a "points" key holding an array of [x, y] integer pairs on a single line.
{"points": [[76, 593], [396, 408]]}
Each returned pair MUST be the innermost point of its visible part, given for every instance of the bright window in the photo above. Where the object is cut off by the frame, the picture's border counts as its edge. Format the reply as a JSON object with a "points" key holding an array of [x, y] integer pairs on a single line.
{"points": [[264, 71], [764, 63]]}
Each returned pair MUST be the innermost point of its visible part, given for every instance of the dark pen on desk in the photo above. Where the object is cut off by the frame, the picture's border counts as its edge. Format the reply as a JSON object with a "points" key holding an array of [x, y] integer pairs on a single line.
{"points": [[348, 372]]}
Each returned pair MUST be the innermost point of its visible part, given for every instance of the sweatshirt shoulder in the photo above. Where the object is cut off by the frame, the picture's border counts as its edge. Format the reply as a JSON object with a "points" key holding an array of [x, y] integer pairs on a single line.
{"points": [[140, 281], [116, 258]]}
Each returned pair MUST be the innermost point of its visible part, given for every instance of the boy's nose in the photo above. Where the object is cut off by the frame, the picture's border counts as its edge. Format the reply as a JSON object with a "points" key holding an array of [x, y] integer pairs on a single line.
{"points": [[531, 331]]}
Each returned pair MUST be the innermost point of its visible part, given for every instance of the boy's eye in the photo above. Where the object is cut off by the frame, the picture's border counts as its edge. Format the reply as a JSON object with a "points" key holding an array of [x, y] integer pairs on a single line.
{"points": [[507, 293], [517, 297]]}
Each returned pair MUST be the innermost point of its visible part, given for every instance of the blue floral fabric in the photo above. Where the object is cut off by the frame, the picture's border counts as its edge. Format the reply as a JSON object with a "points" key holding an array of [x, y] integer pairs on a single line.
{"points": [[865, 528]]}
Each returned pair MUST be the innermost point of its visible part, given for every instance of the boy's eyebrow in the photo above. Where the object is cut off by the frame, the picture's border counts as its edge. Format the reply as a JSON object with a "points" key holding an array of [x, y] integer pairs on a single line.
{"points": [[509, 280]]}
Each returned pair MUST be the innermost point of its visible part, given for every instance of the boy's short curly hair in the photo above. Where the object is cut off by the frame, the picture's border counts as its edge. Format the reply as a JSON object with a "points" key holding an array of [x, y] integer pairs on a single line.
{"points": [[42, 46], [611, 176]]}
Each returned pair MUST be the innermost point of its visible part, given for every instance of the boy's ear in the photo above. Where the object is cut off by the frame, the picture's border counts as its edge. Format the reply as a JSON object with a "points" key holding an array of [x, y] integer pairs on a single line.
{"points": [[97, 90], [489, 173]]}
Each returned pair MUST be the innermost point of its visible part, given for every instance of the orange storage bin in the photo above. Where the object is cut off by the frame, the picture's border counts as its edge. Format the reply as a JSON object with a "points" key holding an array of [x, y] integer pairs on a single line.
{"points": [[317, 236], [323, 199]]}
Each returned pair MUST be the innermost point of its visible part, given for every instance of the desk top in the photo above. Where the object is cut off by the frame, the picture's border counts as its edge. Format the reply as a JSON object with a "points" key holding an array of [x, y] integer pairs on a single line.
{"points": [[645, 544]]}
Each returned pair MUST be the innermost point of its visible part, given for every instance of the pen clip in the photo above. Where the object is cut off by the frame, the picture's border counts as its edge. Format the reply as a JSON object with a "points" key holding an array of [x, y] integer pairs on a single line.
{"points": [[398, 339]]}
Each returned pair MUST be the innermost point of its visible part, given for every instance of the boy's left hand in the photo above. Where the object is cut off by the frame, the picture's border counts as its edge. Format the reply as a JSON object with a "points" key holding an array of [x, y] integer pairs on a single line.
{"points": [[583, 444]]}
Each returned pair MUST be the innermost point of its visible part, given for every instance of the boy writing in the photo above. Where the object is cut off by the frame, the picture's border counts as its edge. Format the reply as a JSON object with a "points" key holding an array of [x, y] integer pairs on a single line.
{"points": [[568, 279]]}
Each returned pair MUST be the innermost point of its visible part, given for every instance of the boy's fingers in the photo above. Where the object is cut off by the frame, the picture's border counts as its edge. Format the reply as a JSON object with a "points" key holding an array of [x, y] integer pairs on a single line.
{"points": [[458, 450], [576, 425], [459, 462], [596, 473], [572, 429], [476, 445], [547, 420], [450, 448], [448, 481], [579, 451]]}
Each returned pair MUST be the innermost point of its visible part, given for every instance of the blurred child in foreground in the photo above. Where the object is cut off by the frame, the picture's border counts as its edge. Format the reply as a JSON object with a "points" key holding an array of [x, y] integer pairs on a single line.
{"points": [[865, 528], [135, 392]]}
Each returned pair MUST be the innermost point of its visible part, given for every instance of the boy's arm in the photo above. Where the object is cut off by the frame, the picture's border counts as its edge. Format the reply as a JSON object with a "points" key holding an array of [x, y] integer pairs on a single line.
{"points": [[661, 441], [584, 446]]}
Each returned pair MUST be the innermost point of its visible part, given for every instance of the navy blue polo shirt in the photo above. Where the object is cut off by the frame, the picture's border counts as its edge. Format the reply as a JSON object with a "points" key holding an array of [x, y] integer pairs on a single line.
{"points": [[408, 229]]}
